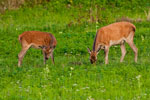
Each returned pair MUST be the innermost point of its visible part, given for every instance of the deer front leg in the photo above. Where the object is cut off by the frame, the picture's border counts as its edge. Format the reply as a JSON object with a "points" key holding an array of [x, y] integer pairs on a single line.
{"points": [[44, 57], [106, 54], [52, 57]]}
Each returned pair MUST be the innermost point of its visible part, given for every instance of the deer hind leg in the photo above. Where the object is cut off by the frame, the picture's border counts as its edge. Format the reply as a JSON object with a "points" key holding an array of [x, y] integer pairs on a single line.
{"points": [[21, 55], [123, 51], [106, 54], [132, 45]]}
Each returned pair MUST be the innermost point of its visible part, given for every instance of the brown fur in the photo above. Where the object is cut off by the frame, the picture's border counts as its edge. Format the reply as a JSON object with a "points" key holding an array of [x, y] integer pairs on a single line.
{"points": [[113, 34], [39, 40], [37, 37]]}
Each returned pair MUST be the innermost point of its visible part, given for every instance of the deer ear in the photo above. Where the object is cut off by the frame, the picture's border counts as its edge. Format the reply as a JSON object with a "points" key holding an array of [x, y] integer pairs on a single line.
{"points": [[89, 50]]}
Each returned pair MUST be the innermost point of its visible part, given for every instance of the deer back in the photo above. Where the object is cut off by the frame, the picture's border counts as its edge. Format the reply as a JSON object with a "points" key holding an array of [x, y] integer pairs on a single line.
{"points": [[114, 33], [37, 39]]}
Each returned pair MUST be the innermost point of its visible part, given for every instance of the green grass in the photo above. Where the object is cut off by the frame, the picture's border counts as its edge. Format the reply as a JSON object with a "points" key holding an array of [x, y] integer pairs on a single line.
{"points": [[72, 77]]}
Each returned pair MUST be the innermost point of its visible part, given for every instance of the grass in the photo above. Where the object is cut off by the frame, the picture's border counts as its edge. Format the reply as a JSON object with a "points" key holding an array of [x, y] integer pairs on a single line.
{"points": [[72, 77]]}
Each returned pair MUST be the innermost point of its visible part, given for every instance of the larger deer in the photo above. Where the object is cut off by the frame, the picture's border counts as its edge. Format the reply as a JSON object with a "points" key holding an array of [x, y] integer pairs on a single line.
{"points": [[39, 40], [113, 34]]}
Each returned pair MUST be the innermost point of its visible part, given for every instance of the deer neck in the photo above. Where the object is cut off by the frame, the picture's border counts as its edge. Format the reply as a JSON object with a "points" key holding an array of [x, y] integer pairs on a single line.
{"points": [[95, 45]]}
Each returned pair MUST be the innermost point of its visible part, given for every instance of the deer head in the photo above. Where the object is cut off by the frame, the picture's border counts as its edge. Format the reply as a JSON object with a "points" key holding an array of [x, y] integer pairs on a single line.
{"points": [[93, 56]]}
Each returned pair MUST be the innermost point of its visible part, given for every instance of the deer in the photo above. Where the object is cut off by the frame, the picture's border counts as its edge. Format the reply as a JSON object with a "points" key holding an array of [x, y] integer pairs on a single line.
{"points": [[39, 40], [117, 33]]}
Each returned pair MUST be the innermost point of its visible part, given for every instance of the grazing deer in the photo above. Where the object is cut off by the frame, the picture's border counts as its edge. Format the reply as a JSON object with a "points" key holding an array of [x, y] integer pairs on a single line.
{"points": [[113, 34], [39, 40]]}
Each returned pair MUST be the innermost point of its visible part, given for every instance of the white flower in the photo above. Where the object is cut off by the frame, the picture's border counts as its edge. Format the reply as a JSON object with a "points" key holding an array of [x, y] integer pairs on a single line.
{"points": [[90, 98], [71, 68], [60, 32], [77, 90], [142, 37], [138, 77], [46, 70], [85, 88], [75, 84]]}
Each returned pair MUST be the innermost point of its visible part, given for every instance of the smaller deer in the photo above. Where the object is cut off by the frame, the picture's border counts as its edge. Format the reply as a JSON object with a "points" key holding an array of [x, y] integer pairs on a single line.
{"points": [[113, 34], [39, 40]]}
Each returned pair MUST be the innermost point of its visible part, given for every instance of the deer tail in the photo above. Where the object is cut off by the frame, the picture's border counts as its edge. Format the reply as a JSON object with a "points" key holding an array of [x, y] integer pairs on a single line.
{"points": [[133, 28], [20, 38]]}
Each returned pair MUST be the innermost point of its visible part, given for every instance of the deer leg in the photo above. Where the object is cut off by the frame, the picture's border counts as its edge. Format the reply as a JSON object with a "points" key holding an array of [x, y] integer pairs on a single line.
{"points": [[44, 57], [132, 45], [134, 48], [21, 55], [52, 57], [106, 54], [123, 52]]}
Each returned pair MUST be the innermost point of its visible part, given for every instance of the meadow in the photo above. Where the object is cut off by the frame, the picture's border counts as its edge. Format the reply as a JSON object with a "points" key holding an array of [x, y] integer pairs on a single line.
{"points": [[73, 77]]}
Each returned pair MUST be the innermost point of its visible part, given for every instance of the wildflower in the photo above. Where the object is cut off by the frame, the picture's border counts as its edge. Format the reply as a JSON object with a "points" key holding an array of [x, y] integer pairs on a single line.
{"points": [[60, 32], [90, 98], [77, 90], [138, 77], [85, 88], [71, 68], [142, 37], [75, 84], [46, 70]]}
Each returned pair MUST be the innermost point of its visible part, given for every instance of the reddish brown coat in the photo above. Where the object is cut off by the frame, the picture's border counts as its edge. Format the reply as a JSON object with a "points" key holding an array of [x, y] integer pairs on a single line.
{"points": [[113, 34], [40, 40]]}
